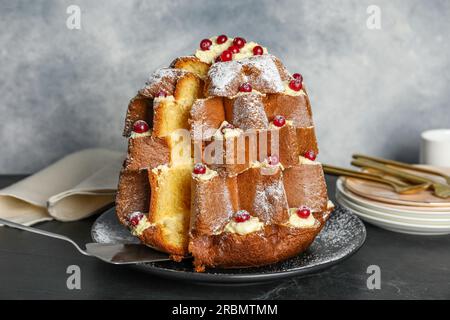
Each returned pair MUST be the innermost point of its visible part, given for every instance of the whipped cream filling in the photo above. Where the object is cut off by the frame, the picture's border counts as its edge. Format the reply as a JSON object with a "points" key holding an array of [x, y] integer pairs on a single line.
{"points": [[246, 227], [330, 205], [208, 56], [288, 91], [247, 51], [135, 135], [266, 165], [288, 123], [303, 160], [227, 133], [330, 208], [297, 222], [162, 98], [254, 91], [208, 175], [141, 226]]}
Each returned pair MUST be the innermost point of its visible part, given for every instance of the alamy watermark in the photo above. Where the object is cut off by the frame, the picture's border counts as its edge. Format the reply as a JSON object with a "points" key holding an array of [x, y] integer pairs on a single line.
{"points": [[73, 21], [373, 21], [229, 147], [374, 280], [73, 281]]}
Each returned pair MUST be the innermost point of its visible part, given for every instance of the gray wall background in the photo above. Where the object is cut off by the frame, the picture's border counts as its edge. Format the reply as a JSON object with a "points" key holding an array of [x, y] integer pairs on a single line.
{"points": [[372, 91]]}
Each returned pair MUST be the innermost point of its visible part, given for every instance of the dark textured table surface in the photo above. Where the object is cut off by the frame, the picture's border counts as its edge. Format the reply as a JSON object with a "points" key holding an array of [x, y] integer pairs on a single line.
{"points": [[34, 267]]}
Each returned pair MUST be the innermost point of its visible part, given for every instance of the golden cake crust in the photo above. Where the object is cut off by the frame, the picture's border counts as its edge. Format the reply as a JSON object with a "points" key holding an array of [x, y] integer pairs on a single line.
{"points": [[141, 153], [133, 194], [191, 64], [139, 108], [272, 244]]}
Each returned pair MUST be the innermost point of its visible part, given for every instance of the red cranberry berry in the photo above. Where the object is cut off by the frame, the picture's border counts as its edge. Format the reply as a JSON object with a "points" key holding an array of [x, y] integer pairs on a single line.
{"points": [[311, 155], [245, 87], [205, 44], [241, 216], [303, 212], [226, 56], [140, 126], [161, 94], [222, 39], [279, 121], [234, 49], [297, 76], [258, 50], [273, 160], [135, 217], [217, 59], [239, 42], [199, 168], [295, 85], [227, 126]]}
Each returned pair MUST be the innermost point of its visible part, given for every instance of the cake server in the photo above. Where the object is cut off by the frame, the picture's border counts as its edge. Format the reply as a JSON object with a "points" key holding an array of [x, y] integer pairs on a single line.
{"points": [[117, 253]]}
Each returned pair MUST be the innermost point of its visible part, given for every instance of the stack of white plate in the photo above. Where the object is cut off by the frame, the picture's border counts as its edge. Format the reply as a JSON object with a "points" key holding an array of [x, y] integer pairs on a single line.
{"points": [[399, 215]]}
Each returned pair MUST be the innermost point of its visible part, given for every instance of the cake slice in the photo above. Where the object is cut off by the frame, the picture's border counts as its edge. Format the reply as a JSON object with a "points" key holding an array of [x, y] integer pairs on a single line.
{"points": [[170, 208], [210, 217], [262, 193], [305, 185], [191, 64], [171, 112]]}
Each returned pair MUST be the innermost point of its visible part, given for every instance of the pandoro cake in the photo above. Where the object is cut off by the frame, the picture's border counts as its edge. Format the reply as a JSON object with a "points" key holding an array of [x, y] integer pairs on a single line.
{"points": [[221, 161]]}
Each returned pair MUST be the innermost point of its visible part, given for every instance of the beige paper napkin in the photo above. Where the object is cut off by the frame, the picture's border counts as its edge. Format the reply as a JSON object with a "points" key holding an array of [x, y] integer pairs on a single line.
{"points": [[70, 189]]}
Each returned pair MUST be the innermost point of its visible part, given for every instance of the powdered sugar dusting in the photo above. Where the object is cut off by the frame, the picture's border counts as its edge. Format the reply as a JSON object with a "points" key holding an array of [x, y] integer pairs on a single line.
{"points": [[282, 70], [162, 73], [269, 200], [260, 71], [224, 77], [249, 113], [228, 209], [163, 79], [269, 78], [107, 229], [202, 127]]}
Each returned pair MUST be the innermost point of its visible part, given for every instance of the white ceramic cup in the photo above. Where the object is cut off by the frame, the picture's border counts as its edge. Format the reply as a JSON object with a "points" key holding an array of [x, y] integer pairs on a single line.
{"points": [[435, 147]]}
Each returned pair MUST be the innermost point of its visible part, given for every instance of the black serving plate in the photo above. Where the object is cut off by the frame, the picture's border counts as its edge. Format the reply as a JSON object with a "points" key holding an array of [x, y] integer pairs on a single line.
{"points": [[343, 235]]}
